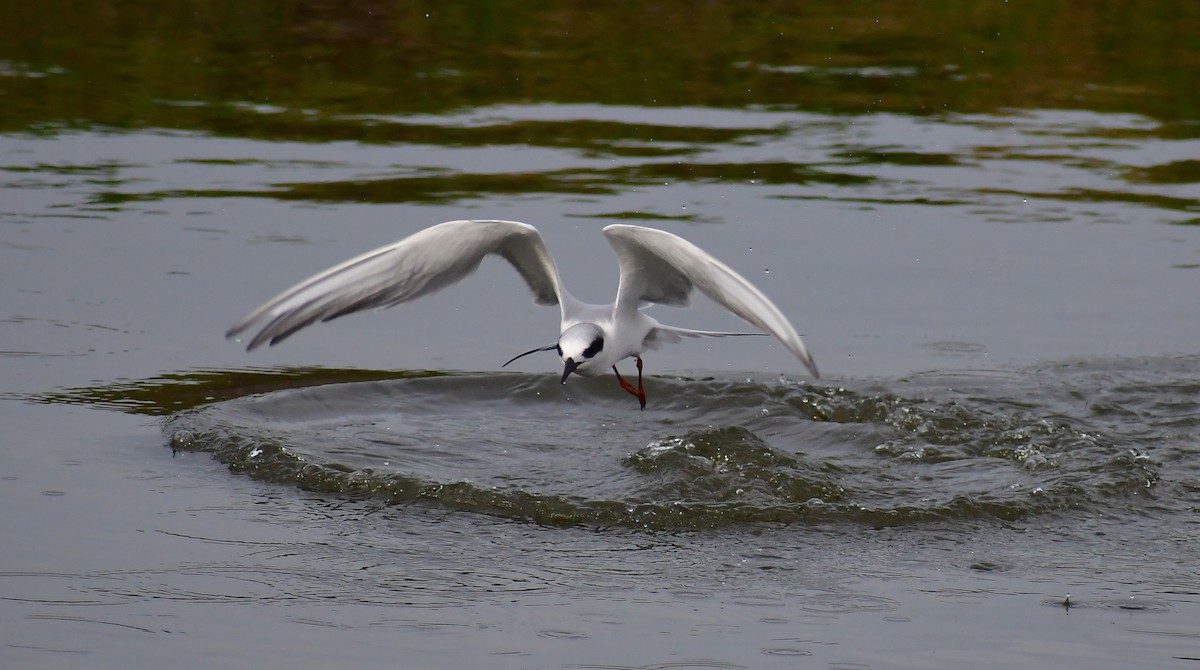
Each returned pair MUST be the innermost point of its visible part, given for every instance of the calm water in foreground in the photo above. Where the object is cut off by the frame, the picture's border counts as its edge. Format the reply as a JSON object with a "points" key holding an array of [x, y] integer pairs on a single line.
{"points": [[993, 254]]}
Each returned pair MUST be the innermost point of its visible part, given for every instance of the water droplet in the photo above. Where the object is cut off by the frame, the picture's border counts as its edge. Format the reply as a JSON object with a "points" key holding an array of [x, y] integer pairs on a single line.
{"points": [[182, 440]]}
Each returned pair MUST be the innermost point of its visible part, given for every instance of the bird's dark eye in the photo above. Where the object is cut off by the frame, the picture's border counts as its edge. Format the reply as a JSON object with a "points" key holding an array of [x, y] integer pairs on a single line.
{"points": [[594, 348]]}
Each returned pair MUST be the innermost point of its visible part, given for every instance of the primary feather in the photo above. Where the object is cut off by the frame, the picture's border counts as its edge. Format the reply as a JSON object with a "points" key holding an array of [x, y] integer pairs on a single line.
{"points": [[659, 267], [418, 265]]}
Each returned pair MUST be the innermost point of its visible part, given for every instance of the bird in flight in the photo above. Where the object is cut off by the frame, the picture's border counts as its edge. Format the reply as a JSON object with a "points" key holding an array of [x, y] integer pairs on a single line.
{"points": [[656, 267]]}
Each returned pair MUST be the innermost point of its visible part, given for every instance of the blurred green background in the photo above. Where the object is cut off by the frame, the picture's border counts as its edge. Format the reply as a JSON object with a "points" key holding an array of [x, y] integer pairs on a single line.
{"points": [[116, 63]]}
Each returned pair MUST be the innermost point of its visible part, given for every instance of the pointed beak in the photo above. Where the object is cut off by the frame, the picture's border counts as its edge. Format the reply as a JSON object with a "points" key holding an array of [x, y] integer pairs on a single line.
{"points": [[568, 367], [548, 347]]}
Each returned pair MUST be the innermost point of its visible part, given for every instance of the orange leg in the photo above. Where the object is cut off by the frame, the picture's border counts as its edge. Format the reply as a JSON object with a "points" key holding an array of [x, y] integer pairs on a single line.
{"points": [[640, 392]]}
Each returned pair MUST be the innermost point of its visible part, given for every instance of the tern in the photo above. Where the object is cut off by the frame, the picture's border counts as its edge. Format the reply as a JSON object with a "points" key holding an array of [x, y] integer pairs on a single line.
{"points": [[656, 267]]}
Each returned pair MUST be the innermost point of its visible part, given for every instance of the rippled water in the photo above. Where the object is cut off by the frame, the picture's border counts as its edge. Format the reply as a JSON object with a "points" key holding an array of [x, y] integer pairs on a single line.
{"points": [[1108, 438], [954, 512], [983, 222]]}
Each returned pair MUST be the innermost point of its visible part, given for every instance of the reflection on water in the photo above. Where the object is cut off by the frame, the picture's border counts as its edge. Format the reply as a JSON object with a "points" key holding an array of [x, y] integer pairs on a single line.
{"points": [[942, 185], [1034, 166], [362, 58]]}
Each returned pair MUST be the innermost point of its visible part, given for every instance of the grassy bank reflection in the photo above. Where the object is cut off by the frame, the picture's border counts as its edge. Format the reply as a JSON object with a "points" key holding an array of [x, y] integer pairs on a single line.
{"points": [[114, 64]]}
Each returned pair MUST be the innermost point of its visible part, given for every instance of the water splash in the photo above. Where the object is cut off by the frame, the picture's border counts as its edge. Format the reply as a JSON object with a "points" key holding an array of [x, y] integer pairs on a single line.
{"points": [[951, 447]]}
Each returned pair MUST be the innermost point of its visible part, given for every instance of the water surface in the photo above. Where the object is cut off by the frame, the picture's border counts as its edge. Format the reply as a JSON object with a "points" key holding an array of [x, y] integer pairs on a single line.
{"points": [[984, 223]]}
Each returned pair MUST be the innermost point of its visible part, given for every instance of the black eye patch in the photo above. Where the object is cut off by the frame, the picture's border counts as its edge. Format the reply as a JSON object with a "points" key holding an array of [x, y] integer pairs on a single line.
{"points": [[594, 348]]}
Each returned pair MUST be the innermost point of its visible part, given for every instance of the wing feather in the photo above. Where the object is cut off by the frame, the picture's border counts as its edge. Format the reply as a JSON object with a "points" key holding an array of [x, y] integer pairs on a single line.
{"points": [[659, 267], [416, 266]]}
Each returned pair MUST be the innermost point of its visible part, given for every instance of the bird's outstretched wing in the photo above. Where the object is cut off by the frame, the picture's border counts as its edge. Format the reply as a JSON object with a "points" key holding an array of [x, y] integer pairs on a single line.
{"points": [[659, 267], [418, 265], [664, 334]]}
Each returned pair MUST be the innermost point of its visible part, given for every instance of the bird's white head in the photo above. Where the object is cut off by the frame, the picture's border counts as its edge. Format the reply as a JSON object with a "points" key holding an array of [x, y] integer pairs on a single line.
{"points": [[579, 346]]}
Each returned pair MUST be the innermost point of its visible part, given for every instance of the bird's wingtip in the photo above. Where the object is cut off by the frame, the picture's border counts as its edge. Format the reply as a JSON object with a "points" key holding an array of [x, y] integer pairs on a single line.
{"points": [[806, 358], [812, 367]]}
